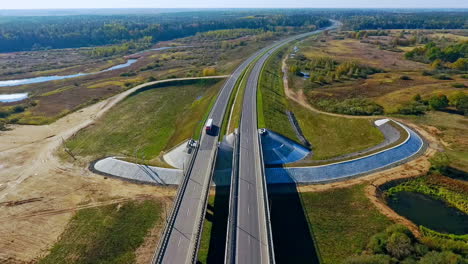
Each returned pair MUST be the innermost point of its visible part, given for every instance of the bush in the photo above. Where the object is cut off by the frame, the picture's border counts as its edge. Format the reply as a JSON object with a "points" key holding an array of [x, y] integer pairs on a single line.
{"points": [[442, 77], [377, 243], [18, 109], [4, 113], [413, 108], [2, 126], [438, 102], [369, 259], [399, 245], [405, 78], [354, 106], [440, 162], [458, 85], [445, 257], [210, 71]]}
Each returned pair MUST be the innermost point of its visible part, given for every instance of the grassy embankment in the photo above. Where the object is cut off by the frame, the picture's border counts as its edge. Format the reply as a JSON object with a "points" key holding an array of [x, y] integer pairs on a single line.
{"points": [[106, 234], [342, 220], [148, 122], [213, 238], [329, 136], [452, 129]]}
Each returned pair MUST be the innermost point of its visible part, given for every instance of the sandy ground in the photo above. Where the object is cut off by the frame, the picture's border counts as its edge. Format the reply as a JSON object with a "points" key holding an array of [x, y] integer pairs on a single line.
{"points": [[39, 193]]}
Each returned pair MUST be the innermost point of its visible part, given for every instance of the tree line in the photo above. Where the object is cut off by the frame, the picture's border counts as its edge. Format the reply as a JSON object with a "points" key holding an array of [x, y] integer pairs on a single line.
{"points": [[33, 33]]}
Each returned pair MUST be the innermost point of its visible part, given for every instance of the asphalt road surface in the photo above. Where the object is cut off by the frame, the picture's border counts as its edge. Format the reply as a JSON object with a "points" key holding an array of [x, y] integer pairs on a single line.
{"points": [[180, 243], [253, 243]]}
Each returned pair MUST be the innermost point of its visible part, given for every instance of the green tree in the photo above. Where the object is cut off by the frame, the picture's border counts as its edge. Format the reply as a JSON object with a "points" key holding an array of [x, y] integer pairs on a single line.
{"points": [[399, 245], [438, 102], [460, 64], [440, 161]]}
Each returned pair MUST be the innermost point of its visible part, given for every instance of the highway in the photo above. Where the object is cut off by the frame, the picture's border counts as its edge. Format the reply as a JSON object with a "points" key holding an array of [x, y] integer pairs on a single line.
{"points": [[180, 240], [253, 231]]}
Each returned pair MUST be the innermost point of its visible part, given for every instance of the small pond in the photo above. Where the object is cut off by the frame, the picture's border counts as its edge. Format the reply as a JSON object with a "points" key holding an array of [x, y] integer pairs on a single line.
{"points": [[429, 212]]}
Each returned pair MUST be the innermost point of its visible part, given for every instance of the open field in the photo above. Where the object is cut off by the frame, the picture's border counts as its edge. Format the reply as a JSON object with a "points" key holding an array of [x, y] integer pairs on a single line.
{"points": [[344, 230], [334, 136], [452, 130], [51, 100], [148, 121], [108, 234], [329, 136], [39, 193], [389, 89]]}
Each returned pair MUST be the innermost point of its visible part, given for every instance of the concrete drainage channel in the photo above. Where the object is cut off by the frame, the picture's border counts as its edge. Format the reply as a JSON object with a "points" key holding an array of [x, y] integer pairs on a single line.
{"points": [[381, 160]]}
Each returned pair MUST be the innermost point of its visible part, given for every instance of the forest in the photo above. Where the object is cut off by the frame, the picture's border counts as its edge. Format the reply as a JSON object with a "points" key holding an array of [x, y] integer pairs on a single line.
{"points": [[22, 33], [35, 33]]}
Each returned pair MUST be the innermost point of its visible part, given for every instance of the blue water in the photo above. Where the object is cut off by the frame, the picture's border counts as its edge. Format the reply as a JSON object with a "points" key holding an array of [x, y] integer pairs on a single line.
{"points": [[56, 77], [348, 168], [8, 98], [429, 212]]}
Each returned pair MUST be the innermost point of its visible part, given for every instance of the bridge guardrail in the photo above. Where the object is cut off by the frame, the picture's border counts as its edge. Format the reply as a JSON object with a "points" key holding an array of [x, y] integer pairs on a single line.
{"points": [[229, 255], [159, 253], [271, 251]]}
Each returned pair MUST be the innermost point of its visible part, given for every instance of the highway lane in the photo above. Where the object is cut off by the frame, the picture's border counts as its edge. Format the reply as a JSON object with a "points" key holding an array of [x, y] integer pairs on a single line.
{"points": [[253, 235], [180, 240]]}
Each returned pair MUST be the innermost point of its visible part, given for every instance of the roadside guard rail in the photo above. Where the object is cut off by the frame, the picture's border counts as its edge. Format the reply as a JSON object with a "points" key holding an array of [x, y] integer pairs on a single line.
{"points": [[230, 252], [205, 204], [159, 253], [266, 204]]}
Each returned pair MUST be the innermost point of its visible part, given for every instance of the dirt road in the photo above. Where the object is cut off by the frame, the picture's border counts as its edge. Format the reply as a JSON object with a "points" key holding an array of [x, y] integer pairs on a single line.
{"points": [[39, 193]]}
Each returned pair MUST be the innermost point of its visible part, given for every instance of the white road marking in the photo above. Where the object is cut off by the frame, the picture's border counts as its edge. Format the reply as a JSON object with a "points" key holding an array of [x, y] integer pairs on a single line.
{"points": [[178, 244]]}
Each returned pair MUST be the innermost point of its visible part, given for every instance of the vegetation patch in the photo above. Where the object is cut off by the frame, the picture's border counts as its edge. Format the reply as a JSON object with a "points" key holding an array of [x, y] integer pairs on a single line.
{"points": [[342, 220], [398, 245], [272, 103], [106, 234], [147, 122], [332, 136], [454, 192]]}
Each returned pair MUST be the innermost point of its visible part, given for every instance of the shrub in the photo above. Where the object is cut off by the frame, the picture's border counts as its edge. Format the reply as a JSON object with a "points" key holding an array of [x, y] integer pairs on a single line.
{"points": [[2, 126], [440, 162], [354, 106], [18, 109], [377, 243], [4, 113], [458, 85], [405, 78], [413, 108], [445, 257], [438, 102], [210, 71], [369, 259], [442, 77], [399, 245]]}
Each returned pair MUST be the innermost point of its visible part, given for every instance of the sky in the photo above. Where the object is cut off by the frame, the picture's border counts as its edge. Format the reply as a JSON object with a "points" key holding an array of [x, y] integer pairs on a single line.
{"points": [[65, 4]]}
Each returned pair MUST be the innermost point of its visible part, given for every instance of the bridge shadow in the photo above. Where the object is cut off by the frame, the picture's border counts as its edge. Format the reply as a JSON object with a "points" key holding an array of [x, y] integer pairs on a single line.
{"points": [[292, 237], [218, 210]]}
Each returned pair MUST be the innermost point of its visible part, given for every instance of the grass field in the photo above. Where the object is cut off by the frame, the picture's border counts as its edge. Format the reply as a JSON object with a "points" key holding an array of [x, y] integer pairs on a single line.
{"points": [[342, 220], [271, 100], [148, 122], [332, 136], [107, 234], [452, 129], [213, 239]]}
